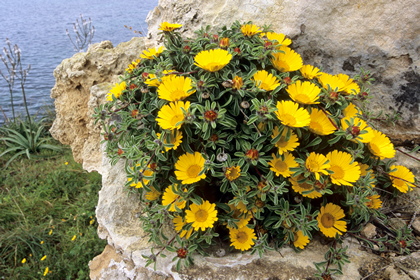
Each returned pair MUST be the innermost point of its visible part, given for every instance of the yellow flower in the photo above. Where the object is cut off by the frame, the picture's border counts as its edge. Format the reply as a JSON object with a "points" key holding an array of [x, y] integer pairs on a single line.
{"points": [[289, 113], [171, 116], [281, 165], [188, 168], [242, 238], [224, 43], [153, 194], [46, 270], [300, 240], [320, 123], [309, 71], [329, 220], [152, 53], [345, 170], [166, 26], [73, 238], [317, 164], [174, 88], [66, 163], [374, 201], [304, 92], [155, 81], [179, 224], [402, 178], [238, 82], [175, 139], [304, 188], [332, 82], [43, 258], [352, 111], [288, 140], [23, 260], [202, 216], [148, 172], [132, 66], [287, 60], [250, 29], [116, 91], [42, 242], [265, 81], [233, 172], [350, 86], [50, 232], [279, 37], [171, 198], [239, 214], [212, 60], [381, 146], [355, 130]]}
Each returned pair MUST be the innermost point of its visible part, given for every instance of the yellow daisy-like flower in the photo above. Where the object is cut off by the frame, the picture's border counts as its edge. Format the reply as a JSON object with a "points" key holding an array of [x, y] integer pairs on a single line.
{"points": [[305, 189], [116, 91], [242, 238], [281, 165], [152, 53], [175, 139], [154, 81], [350, 86], [171, 198], [345, 170], [289, 113], [317, 164], [374, 201], [288, 140], [359, 125], [364, 169], [352, 111], [46, 271], [304, 92], [188, 168], [381, 146], [179, 224], [402, 178], [265, 81], [250, 29], [147, 173], [212, 60], [300, 240], [202, 216], [320, 123], [170, 116], [279, 37], [166, 26], [132, 66], [174, 88], [287, 60], [233, 172], [243, 217], [153, 194], [309, 71], [334, 82], [238, 82], [329, 220]]}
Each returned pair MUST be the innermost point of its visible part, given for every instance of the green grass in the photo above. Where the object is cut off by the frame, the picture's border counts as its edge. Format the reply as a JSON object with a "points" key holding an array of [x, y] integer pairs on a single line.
{"points": [[47, 208]]}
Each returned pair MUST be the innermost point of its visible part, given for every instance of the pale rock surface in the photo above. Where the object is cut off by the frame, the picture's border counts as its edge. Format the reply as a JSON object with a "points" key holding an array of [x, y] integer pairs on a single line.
{"points": [[339, 36]]}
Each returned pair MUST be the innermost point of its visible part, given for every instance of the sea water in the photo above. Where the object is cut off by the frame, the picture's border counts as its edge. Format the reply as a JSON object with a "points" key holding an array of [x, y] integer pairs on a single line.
{"points": [[38, 27]]}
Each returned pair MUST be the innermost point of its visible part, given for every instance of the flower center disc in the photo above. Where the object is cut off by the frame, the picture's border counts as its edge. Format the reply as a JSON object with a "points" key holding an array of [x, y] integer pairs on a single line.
{"points": [[313, 166], [282, 142], [281, 166], [338, 172], [242, 237], [288, 119], [303, 98], [177, 118], [193, 171], [177, 94], [327, 220], [201, 215]]}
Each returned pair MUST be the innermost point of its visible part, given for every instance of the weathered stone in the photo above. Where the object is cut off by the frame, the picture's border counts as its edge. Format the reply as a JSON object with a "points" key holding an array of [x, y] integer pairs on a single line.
{"points": [[369, 231]]}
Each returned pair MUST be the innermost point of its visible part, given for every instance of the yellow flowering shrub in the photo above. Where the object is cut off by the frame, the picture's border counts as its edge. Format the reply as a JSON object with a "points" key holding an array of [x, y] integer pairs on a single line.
{"points": [[229, 136]]}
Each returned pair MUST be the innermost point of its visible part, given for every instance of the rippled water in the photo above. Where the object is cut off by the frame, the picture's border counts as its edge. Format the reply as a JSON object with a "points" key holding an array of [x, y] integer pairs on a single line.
{"points": [[38, 27]]}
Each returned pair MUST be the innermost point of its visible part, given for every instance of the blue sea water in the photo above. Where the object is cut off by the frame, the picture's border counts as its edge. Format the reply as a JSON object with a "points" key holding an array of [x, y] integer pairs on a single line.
{"points": [[38, 27]]}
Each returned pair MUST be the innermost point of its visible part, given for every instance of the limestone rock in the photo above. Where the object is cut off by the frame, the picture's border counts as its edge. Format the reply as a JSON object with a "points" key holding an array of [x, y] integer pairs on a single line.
{"points": [[81, 85], [338, 36]]}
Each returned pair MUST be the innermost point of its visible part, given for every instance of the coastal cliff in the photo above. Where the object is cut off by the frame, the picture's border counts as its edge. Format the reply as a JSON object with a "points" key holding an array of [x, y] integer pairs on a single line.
{"points": [[337, 36]]}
